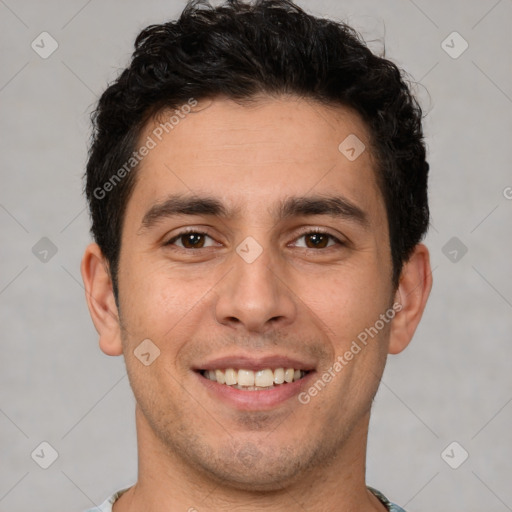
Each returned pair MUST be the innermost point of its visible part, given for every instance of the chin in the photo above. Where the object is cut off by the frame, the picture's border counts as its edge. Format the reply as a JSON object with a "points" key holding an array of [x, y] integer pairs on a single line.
{"points": [[256, 467], [257, 478]]}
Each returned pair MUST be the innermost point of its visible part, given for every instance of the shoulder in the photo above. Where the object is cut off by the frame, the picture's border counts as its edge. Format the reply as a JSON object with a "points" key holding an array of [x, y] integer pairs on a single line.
{"points": [[390, 506], [106, 506]]}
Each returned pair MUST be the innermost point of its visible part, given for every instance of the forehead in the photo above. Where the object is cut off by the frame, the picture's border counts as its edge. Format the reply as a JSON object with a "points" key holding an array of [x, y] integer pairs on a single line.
{"points": [[257, 153]]}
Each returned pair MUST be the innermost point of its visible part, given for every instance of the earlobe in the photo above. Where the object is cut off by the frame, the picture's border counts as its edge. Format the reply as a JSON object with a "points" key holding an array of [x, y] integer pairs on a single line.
{"points": [[100, 300], [412, 294]]}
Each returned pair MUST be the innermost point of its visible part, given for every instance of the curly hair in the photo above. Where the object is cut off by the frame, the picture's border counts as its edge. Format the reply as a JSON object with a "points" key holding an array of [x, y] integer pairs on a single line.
{"points": [[241, 50]]}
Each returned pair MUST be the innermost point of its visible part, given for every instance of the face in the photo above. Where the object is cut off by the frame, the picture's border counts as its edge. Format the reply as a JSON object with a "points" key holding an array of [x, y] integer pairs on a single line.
{"points": [[275, 257]]}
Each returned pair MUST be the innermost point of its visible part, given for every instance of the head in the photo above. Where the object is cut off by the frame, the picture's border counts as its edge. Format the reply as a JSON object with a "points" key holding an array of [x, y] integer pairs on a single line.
{"points": [[294, 158]]}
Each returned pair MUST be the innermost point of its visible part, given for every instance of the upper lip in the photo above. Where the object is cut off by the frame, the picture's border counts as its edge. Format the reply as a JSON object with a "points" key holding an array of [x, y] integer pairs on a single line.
{"points": [[255, 363]]}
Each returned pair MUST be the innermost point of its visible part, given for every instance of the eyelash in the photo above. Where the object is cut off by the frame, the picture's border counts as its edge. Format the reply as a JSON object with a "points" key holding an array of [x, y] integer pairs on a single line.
{"points": [[310, 231]]}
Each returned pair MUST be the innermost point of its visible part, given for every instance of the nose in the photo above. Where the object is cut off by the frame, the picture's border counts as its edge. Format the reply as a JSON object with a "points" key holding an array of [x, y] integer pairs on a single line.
{"points": [[256, 296]]}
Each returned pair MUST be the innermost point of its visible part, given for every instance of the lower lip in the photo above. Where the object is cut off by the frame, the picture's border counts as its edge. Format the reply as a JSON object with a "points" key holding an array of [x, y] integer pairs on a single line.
{"points": [[255, 400]]}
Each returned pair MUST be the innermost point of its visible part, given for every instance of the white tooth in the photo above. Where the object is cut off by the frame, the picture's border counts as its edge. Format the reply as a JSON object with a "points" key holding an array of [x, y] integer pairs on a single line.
{"points": [[211, 375], [288, 375], [220, 378], [264, 378], [245, 378], [279, 375], [296, 375], [251, 388], [230, 377]]}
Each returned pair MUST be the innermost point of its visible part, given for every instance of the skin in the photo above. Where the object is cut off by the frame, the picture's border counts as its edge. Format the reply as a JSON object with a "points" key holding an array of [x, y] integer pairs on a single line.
{"points": [[306, 301]]}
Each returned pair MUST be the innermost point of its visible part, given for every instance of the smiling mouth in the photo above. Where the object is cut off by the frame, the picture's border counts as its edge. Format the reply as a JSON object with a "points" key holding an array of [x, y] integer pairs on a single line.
{"points": [[249, 380]]}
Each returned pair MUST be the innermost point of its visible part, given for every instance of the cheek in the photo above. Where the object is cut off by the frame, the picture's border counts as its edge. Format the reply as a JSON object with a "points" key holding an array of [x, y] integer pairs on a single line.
{"points": [[153, 299], [347, 300]]}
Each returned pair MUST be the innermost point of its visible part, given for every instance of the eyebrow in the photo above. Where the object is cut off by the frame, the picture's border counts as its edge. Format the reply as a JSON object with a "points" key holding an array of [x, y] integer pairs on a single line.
{"points": [[337, 207]]}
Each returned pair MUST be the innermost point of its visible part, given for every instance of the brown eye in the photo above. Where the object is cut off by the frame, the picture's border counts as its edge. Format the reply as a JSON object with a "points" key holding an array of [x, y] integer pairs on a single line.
{"points": [[190, 240], [318, 240]]}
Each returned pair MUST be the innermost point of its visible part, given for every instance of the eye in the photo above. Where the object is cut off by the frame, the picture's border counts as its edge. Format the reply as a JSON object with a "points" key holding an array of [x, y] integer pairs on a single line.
{"points": [[190, 240], [197, 240], [318, 240]]}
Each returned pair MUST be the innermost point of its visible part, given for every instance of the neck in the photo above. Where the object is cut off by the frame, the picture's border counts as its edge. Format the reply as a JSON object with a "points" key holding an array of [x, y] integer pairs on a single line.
{"points": [[168, 483]]}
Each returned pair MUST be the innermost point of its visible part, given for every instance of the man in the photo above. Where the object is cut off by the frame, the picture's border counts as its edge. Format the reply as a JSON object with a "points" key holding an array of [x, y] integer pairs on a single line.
{"points": [[258, 190]]}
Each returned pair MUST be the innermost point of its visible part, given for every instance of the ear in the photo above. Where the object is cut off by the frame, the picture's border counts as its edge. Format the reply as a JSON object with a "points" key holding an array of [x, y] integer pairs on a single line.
{"points": [[100, 300], [412, 294]]}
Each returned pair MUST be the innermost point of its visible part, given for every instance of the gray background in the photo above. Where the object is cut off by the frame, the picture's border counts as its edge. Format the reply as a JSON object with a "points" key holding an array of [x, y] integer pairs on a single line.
{"points": [[454, 382]]}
